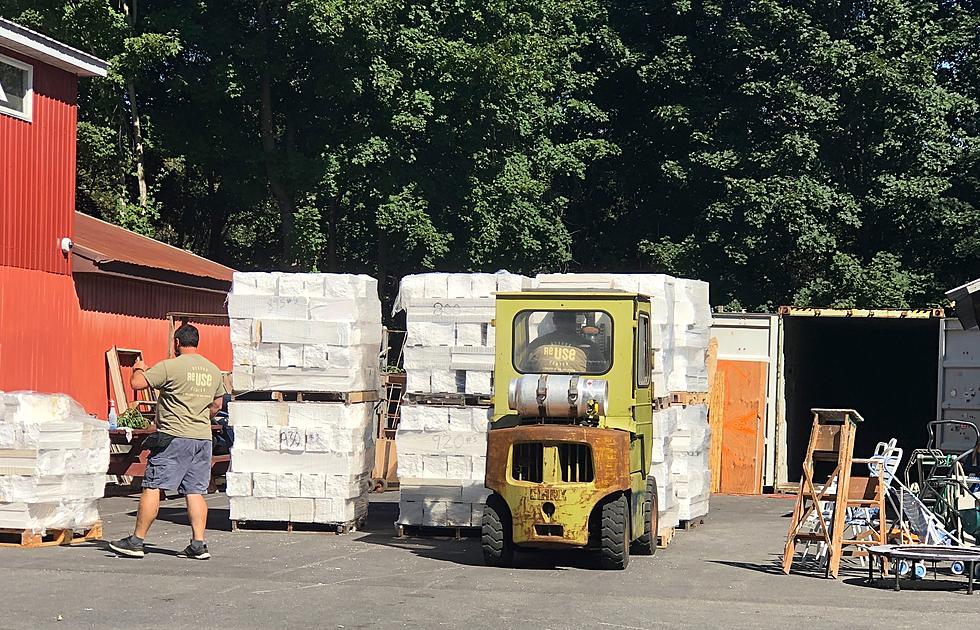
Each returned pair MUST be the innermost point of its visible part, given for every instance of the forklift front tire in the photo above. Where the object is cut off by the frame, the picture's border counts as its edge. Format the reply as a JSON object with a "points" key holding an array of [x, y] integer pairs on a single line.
{"points": [[614, 547], [646, 544], [498, 548]]}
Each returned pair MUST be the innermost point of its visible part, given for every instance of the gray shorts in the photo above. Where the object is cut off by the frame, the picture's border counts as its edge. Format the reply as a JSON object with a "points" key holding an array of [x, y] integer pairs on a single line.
{"points": [[185, 465]]}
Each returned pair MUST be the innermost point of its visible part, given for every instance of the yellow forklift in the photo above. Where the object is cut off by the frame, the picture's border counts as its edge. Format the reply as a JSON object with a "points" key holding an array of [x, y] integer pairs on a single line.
{"points": [[568, 451]]}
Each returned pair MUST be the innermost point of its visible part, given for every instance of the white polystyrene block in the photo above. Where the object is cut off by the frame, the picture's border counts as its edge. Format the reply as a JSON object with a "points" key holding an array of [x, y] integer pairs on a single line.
{"points": [[288, 485], [434, 418], [266, 355], [271, 308], [410, 512], [510, 282], [312, 485], [483, 284], [479, 469], [430, 334], [435, 513], [301, 284], [436, 285], [469, 334], [409, 465], [291, 355], [480, 417], [257, 414], [458, 467], [253, 283], [419, 381], [238, 484], [478, 382], [428, 443], [460, 419], [435, 467], [412, 417], [267, 438], [318, 440], [241, 331], [264, 484], [245, 437], [459, 514], [329, 333], [292, 439], [459, 286], [444, 382], [345, 486]]}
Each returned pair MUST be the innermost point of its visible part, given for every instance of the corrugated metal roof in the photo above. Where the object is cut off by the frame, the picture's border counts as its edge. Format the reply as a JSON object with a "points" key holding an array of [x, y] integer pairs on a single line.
{"points": [[50, 51], [104, 243]]}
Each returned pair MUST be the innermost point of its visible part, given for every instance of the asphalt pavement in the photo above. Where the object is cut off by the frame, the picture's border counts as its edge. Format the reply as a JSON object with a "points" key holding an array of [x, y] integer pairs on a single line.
{"points": [[722, 574]]}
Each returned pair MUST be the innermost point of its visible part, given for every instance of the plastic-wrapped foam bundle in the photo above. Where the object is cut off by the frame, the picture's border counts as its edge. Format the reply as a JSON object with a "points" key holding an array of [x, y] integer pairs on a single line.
{"points": [[53, 461]]}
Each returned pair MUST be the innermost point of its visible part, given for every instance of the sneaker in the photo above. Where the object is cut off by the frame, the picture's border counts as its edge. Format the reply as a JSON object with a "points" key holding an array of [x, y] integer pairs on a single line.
{"points": [[126, 547], [200, 553]]}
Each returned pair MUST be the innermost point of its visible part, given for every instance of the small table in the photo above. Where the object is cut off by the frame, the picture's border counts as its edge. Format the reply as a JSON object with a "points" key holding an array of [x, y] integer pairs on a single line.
{"points": [[969, 556], [133, 463]]}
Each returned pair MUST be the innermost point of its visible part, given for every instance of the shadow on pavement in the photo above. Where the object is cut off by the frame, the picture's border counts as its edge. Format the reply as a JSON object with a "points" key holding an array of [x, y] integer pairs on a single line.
{"points": [[380, 530], [218, 517], [928, 585]]}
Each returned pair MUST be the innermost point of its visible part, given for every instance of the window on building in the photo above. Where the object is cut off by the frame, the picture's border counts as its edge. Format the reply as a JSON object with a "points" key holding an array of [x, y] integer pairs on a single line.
{"points": [[16, 88]]}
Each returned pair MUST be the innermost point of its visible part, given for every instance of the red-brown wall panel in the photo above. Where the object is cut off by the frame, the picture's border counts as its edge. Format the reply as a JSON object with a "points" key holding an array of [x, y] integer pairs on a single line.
{"points": [[133, 314], [54, 332], [38, 317], [37, 173]]}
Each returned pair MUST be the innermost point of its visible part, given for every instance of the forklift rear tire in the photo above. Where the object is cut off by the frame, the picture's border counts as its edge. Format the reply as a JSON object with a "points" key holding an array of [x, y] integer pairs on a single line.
{"points": [[646, 544], [614, 544], [498, 547]]}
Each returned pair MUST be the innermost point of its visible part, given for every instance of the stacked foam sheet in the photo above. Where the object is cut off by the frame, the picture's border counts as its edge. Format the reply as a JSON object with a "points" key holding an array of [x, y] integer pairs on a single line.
{"points": [[442, 465], [691, 332], [662, 459], [690, 472], [305, 332], [53, 460], [305, 462], [449, 343], [449, 349]]}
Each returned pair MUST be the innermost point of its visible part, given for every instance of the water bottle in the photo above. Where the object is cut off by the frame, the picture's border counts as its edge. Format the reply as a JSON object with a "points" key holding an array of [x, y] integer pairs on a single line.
{"points": [[113, 417]]}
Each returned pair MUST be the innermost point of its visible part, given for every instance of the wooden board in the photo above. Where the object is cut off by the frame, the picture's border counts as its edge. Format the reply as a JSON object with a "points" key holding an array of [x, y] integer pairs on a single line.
{"points": [[27, 539], [116, 385], [385, 460], [742, 429], [716, 417]]}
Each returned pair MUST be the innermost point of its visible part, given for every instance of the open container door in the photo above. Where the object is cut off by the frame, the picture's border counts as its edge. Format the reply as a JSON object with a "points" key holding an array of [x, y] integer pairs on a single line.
{"points": [[883, 363]]}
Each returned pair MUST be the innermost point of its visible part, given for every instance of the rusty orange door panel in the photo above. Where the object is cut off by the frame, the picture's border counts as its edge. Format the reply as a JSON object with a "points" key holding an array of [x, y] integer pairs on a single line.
{"points": [[743, 426]]}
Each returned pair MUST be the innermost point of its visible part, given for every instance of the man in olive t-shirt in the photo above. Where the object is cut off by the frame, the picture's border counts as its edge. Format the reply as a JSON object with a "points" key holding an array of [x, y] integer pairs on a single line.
{"points": [[190, 394]]}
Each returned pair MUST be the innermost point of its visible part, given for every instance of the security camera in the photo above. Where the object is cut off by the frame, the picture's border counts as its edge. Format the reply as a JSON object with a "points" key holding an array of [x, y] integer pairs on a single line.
{"points": [[66, 245]]}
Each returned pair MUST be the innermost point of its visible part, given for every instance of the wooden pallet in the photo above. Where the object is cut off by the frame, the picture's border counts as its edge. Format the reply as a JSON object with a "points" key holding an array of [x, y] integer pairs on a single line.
{"points": [[689, 398], [431, 531], [664, 539], [348, 398], [659, 404], [26, 539], [295, 527], [691, 524], [449, 399]]}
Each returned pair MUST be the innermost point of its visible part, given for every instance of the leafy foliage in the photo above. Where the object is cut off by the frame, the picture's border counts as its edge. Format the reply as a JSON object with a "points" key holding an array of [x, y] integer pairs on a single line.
{"points": [[788, 151]]}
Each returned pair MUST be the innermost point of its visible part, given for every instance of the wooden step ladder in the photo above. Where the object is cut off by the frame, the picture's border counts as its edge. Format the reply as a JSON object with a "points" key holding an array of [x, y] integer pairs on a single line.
{"points": [[832, 442]]}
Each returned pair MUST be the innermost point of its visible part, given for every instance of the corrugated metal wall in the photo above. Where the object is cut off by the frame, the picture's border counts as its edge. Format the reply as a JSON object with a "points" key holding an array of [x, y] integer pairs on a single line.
{"points": [[53, 339], [38, 315], [37, 174], [133, 314]]}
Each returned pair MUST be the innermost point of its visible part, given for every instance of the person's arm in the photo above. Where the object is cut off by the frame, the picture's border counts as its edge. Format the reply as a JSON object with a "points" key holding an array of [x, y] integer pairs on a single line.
{"points": [[138, 379], [144, 378], [215, 406]]}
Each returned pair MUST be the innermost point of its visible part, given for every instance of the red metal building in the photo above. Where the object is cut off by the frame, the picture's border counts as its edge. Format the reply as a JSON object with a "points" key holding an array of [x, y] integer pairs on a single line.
{"points": [[62, 307]]}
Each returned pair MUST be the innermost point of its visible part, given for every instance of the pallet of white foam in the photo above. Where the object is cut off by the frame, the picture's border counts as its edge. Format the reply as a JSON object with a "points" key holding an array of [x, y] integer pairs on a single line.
{"points": [[305, 332], [449, 346], [300, 466], [662, 457], [441, 468], [690, 471], [53, 459]]}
